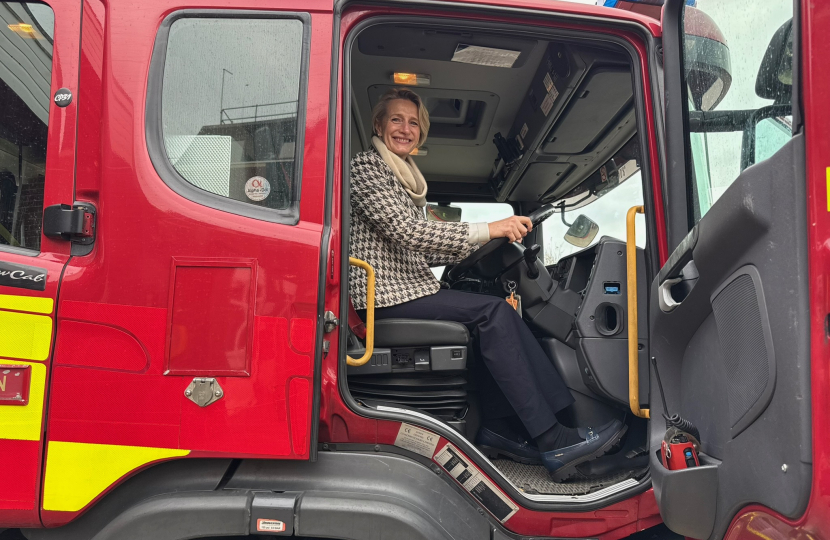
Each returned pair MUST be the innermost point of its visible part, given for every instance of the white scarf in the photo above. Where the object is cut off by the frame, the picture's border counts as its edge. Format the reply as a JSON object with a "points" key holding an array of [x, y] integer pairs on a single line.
{"points": [[406, 172]]}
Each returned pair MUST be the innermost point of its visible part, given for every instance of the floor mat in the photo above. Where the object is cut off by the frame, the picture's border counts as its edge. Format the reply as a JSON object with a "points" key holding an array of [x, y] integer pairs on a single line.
{"points": [[534, 479]]}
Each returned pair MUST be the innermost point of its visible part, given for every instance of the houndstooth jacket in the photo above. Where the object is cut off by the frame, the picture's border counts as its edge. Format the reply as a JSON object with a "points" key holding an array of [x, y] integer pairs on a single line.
{"points": [[392, 234]]}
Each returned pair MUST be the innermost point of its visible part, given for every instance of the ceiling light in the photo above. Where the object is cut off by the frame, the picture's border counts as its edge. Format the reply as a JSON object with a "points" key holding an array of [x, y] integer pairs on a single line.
{"points": [[412, 79]]}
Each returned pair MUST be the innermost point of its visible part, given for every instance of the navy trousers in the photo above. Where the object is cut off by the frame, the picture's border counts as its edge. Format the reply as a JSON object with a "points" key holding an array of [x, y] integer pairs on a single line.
{"points": [[523, 379]]}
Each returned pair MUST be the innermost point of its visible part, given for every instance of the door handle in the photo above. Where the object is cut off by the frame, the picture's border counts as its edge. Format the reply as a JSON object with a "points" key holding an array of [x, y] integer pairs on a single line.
{"points": [[633, 333], [664, 296], [370, 313]]}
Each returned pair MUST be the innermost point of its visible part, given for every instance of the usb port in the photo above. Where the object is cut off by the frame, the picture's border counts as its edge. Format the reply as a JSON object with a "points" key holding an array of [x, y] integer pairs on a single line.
{"points": [[611, 287]]}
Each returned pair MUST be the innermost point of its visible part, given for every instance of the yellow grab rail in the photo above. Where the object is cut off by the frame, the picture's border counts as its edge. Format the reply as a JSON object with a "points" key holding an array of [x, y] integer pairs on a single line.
{"points": [[370, 313], [633, 334]]}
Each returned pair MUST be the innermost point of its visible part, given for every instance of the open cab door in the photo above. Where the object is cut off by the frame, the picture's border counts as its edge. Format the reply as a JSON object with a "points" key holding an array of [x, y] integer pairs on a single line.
{"points": [[729, 311]]}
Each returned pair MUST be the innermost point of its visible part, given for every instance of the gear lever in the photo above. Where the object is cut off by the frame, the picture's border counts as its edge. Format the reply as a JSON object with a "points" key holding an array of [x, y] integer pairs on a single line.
{"points": [[530, 256]]}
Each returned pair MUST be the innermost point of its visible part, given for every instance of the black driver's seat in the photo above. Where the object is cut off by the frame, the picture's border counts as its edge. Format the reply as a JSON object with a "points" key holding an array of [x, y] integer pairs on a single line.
{"points": [[416, 364], [403, 345]]}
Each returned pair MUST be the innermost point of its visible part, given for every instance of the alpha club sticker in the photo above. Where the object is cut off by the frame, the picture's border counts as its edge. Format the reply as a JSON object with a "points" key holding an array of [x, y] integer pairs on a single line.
{"points": [[257, 188]]}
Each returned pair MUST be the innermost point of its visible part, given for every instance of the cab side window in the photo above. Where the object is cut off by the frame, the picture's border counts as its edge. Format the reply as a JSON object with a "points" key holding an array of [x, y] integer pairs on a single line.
{"points": [[25, 81], [738, 68], [231, 99]]}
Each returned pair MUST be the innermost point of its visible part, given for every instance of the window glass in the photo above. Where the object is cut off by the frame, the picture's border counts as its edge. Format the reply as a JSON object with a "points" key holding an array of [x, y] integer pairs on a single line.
{"points": [[608, 212], [25, 80], [738, 67], [478, 213], [229, 106]]}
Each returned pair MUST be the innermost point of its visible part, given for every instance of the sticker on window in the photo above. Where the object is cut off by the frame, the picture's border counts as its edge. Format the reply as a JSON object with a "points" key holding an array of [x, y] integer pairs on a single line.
{"points": [[257, 188]]}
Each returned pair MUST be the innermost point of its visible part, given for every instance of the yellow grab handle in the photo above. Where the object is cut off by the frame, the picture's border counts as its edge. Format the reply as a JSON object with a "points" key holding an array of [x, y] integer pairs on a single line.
{"points": [[633, 334], [370, 312]]}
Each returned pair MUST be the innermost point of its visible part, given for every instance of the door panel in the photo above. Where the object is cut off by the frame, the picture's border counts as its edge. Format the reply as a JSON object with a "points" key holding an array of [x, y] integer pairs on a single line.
{"points": [[746, 313], [39, 45], [195, 274], [732, 340]]}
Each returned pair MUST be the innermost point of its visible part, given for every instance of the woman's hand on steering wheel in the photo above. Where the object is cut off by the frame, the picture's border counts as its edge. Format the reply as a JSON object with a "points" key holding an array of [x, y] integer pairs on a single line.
{"points": [[513, 228]]}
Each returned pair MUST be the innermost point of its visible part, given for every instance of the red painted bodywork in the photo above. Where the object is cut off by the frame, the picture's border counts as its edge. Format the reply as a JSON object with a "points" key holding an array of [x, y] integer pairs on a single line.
{"points": [[20, 497], [125, 287], [119, 312]]}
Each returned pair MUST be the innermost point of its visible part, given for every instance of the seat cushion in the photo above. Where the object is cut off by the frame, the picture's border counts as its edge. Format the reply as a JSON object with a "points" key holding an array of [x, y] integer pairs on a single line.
{"points": [[419, 333]]}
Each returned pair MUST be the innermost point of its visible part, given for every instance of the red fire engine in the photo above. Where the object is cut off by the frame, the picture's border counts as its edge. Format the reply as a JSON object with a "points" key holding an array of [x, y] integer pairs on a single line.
{"points": [[175, 360]]}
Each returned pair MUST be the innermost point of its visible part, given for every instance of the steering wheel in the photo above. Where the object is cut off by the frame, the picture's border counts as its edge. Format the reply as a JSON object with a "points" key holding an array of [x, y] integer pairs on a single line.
{"points": [[461, 269]]}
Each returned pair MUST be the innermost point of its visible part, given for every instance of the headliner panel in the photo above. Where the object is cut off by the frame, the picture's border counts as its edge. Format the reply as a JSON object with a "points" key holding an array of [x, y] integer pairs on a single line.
{"points": [[461, 169]]}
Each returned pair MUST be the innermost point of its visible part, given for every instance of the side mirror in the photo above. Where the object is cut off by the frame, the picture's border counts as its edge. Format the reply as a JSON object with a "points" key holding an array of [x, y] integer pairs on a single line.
{"points": [[707, 61], [582, 232], [443, 212], [775, 75]]}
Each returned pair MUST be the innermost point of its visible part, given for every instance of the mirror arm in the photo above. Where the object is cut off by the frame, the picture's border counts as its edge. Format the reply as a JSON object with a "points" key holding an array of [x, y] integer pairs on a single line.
{"points": [[562, 210], [718, 121]]}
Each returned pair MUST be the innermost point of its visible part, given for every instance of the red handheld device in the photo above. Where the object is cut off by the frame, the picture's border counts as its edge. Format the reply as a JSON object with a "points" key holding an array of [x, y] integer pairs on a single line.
{"points": [[677, 451]]}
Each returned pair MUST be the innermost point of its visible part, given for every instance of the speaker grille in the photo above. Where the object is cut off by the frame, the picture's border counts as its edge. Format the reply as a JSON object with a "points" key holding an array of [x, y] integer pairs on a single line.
{"points": [[745, 355]]}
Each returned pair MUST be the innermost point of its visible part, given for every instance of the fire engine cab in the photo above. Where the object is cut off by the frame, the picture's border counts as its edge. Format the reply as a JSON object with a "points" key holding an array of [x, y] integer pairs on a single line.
{"points": [[178, 354]]}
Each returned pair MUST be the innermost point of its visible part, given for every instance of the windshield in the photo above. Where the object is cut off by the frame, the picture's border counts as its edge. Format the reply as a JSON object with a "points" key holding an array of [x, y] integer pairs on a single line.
{"points": [[608, 212], [477, 213]]}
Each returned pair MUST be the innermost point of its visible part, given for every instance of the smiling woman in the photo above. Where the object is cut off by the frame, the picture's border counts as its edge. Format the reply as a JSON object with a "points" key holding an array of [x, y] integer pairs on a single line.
{"points": [[401, 121], [390, 231]]}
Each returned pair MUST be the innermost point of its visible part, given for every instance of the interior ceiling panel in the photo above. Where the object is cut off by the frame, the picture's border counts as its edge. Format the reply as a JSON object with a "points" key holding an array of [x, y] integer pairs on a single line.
{"points": [[597, 112], [435, 43], [452, 160]]}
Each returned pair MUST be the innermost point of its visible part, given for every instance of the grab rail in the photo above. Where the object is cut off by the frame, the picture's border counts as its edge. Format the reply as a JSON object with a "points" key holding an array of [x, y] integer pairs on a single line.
{"points": [[370, 313], [633, 334]]}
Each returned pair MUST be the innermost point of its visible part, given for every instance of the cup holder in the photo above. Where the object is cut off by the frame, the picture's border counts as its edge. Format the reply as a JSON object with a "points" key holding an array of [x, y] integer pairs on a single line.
{"points": [[608, 319]]}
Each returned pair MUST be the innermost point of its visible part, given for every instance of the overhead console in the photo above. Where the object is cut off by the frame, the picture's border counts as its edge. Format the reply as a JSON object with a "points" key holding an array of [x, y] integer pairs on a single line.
{"points": [[577, 113]]}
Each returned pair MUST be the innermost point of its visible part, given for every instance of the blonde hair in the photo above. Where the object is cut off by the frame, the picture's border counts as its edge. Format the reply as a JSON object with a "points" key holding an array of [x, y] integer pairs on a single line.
{"points": [[380, 108]]}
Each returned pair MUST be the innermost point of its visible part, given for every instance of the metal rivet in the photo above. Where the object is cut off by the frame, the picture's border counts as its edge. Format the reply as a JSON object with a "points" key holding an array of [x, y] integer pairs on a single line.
{"points": [[784, 467], [218, 393], [481, 511], [377, 448], [325, 446], [188, 393]]}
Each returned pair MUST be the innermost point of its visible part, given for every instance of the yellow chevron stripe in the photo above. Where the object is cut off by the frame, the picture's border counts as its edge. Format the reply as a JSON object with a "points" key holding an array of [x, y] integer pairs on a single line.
{"points": [[23, 422], [76, 473], [33, 304]]}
